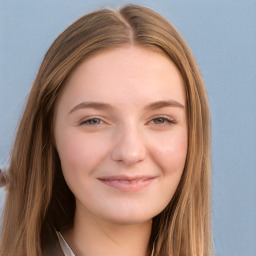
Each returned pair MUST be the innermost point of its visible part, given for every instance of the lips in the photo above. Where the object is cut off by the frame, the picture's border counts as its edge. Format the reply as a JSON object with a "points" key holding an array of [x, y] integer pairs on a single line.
{"points": [[128, 184]]}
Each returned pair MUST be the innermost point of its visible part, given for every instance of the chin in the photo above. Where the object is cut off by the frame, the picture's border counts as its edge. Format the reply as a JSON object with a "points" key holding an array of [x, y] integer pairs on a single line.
{"points": [[129, 221], [130, 218]]}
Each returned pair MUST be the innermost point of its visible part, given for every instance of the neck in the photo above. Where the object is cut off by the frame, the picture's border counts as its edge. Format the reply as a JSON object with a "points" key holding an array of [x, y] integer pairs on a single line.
{"points": [[93, 237]]}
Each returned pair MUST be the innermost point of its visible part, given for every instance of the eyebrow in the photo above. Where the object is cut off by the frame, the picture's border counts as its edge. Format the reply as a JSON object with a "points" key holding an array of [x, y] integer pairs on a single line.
{"points": [[163, 104], [95, 105], [105, 106]]}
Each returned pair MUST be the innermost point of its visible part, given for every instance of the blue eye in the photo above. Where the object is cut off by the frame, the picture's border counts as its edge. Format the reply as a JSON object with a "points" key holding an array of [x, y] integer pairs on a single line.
{"points": [[163, 120], [92, 121]]}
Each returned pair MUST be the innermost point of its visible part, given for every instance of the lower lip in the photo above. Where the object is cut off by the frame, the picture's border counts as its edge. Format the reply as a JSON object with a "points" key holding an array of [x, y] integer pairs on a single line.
{"points": [[126, 185]]}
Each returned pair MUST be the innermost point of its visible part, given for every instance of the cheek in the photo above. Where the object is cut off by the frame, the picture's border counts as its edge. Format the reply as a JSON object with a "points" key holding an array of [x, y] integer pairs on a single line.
{"points": [[171, 153], [168, 153], [77, 151], [71, 151]]}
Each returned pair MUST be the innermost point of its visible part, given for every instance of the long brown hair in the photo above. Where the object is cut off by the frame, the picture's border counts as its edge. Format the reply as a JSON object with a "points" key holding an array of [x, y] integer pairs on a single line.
{"points": [[38, 198]]}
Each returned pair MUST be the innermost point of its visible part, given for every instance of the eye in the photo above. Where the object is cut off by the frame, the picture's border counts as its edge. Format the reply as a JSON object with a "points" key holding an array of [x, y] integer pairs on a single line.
{"points": [[163, 120], [92, 121]]}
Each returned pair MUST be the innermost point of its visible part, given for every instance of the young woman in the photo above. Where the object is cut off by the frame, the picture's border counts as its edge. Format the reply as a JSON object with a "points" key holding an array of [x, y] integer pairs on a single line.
{"points": [[112, 155]]}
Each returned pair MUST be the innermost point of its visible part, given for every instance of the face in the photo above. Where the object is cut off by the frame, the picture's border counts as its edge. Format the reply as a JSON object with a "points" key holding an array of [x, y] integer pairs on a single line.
{"points": [[121, 134]]}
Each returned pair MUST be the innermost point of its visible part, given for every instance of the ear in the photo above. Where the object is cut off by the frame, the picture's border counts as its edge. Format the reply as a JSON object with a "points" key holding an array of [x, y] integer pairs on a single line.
{"points": [[3, 178]]}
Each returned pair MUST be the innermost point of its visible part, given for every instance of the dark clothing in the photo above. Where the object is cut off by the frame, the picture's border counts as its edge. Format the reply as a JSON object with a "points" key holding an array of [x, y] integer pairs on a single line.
{"points": [[52, 246]]}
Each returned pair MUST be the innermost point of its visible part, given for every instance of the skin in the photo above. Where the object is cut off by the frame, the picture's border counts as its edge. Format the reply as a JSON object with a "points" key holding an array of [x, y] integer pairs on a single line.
{"points": [[124, 156]]}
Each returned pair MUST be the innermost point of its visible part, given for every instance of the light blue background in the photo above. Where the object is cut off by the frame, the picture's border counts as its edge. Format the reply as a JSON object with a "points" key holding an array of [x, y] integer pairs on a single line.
{"points": [[222, 36]]}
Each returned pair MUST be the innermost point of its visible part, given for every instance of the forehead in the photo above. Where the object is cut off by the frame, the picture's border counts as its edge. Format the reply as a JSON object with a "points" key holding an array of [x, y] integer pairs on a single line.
{"points": [[125, 75]]}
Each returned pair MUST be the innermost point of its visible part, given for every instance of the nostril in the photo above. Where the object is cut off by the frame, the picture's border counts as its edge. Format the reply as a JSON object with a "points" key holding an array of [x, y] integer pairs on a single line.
{"points": [[3, 179], [129, 155]]}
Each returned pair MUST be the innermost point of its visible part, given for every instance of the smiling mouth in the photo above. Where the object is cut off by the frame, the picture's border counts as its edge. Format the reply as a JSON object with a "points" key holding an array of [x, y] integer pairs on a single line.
{"points": [[128, 184]]}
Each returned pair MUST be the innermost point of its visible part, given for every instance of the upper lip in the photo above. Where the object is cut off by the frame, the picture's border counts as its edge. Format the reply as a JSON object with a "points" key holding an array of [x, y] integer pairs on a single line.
{"points": [[127, 177]]}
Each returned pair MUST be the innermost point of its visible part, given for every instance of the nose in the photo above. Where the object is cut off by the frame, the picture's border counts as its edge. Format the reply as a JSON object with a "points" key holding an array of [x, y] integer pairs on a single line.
{"points": [[130, 147]]}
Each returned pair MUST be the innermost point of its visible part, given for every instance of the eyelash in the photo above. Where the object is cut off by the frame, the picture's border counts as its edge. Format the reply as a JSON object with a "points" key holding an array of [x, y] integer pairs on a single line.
{"points": [[87, 121], [99, 121], [164, 119]]}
